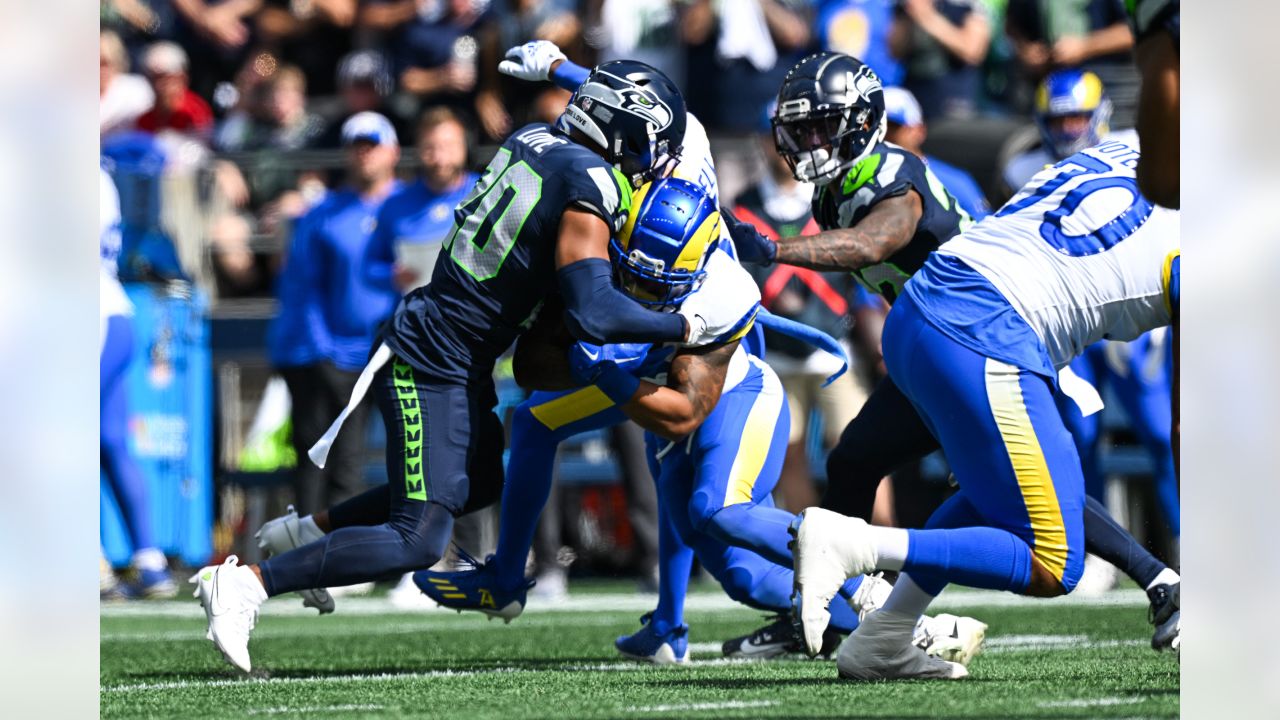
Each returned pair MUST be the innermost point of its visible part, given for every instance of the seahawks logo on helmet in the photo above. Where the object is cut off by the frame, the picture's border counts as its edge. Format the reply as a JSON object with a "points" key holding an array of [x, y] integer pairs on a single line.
{"points": [[865, 82]]}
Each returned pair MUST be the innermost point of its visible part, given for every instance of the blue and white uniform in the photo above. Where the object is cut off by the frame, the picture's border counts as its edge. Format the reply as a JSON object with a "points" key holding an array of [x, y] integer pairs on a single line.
{"points": [[976, 341]]}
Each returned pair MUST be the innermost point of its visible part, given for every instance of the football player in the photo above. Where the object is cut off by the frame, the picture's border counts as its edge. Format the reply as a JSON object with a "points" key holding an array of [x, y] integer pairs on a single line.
{"points": [[1157, 29], [975, 342], [883, 212], [537, 222]]}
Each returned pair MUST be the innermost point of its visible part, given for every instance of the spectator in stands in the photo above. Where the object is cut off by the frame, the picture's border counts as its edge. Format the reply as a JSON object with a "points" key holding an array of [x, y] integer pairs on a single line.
{"points": [[1090, 34], [415, 222], [275, 116], [746, 47], [779, 206], [434, 43], [122, 96], [907, 129], [216, 34], [644, 30], [329, 311], [860, 28], [312, 34], [364, 85], [177, 108], [941, 43], [501, 98]]}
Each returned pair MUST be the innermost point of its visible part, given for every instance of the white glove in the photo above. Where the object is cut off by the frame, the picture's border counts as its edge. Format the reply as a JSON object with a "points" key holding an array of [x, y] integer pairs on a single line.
{"points": [[726, 303], [531, 61]]}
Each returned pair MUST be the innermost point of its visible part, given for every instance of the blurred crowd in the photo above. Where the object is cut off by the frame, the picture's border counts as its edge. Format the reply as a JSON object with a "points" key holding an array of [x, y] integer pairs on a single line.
{"points": [[290, 115]]}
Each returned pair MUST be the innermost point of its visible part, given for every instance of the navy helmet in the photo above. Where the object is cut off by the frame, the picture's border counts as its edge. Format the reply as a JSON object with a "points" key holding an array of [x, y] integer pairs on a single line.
{"points": [[634, 113], [661, 253], [830, 115]]}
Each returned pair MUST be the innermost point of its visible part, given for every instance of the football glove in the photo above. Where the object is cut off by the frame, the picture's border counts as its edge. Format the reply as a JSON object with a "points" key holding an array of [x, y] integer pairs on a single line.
{"points": [[752, 247], [587, 360], [531, 61], [724, 306]]}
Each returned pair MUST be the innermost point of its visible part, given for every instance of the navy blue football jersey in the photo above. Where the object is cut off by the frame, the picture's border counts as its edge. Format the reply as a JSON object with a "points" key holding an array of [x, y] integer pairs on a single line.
{"points": [[890, 171], [498, 263]]}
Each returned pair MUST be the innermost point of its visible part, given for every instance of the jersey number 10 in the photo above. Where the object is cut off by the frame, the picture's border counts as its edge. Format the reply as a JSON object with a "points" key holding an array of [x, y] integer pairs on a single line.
{"points": [[1104, 237]]}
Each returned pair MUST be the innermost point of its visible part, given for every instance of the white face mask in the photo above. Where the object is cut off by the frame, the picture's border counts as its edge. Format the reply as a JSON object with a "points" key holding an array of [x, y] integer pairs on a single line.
{"points": [[817, 166]]}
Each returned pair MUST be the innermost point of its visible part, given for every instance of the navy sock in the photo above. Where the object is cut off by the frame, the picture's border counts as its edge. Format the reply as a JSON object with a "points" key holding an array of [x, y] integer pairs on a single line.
{"points": [[414, 540], [1104, 537], [975, 556]]}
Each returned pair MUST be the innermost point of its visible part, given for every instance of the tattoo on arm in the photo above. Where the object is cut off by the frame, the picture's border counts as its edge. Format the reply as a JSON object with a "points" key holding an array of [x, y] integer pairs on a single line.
{"points": [[699, 374], [884, 231]]}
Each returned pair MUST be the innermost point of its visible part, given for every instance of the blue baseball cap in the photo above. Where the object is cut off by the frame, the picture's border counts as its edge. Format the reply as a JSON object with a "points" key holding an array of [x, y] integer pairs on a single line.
{"points": [[369, 126], [901, 107]]}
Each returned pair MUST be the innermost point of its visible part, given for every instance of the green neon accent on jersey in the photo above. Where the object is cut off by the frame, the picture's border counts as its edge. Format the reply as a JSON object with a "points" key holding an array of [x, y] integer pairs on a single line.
{"points": [[861, 173], [411, 417], [938, 189], [624, 191]]}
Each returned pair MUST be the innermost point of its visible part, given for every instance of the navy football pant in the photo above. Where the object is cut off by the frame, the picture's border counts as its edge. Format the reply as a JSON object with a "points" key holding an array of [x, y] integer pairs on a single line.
{"points": [[437, 435]]}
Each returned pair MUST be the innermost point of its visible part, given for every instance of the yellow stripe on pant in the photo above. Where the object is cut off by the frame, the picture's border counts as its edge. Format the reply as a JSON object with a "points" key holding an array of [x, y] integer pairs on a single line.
{"points": [[573, 407], [757, 437], [1029, 467]]}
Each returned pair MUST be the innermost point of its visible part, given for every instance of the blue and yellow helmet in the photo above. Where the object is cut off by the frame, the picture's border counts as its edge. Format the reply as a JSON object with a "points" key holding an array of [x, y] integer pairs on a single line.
{"points": [[1072, 94], [660, 254]]}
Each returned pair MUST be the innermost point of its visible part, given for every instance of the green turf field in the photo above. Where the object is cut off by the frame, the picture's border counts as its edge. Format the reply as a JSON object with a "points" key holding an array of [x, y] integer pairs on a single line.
{"points": [[1044, 659]]}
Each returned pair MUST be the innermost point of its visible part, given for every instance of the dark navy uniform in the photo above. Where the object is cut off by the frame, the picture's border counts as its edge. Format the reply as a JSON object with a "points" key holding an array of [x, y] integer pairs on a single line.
{"points": [[887, 433], [887, 172]]}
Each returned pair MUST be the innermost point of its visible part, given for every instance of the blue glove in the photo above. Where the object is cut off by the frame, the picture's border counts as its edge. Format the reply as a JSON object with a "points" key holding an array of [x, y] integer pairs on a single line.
{"points": [[587, 360], [752, 247]]}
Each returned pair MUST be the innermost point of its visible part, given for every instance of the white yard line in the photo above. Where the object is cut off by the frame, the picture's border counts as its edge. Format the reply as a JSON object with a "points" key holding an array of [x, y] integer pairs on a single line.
{"points": [[1000, 644], [616, 602], [689, 707], [313, 709], [1090, 702]]}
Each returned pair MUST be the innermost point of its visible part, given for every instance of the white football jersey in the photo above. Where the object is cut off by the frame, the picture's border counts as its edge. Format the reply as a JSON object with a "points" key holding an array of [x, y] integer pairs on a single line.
{"points": [[1078, 252]]}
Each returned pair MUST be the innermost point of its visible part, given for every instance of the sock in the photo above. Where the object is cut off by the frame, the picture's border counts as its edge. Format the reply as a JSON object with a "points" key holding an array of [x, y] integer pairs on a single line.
{"points": [[149, 559], [1166, 577], [756, 527], [530, 469], [978, 557], [675, 563], [891, 547], [1104, 537], [908, 598]]}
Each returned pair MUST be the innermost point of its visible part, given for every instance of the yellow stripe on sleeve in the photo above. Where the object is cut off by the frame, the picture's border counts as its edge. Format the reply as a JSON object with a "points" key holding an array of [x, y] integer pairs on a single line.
{"points": [[1009, 410], [573, 407]]}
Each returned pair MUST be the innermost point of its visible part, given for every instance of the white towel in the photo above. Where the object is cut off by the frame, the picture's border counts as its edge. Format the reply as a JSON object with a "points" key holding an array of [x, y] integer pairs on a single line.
{"points": [[744, 34], [319, 453]]}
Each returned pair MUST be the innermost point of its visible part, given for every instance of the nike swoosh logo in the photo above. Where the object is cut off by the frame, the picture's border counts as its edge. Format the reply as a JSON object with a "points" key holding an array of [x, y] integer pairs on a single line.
{"points": [[592, 355]]}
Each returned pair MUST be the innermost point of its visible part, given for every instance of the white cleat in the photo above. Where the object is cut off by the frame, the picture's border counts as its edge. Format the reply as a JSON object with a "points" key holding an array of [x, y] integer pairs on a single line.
{"points": [[828, 548], [881, 649], [284, 534], [231, 595], [950, 637], [871, 595]]}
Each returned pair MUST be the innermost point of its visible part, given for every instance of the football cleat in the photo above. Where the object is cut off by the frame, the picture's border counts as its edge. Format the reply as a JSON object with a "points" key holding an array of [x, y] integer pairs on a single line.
{"points": [[156, 584], [646, 645], [231, 595], [1166, 615], [474, 589], [882, 649], [950, 637], [284, 534], [828, 548], [871, 595], [780, 637]]}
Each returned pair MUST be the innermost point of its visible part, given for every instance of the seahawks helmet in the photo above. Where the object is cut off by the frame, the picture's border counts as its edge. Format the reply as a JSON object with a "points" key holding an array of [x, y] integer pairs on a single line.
{"points": [[634, 113], [830, 115], [1072, 112], [660, 255]]}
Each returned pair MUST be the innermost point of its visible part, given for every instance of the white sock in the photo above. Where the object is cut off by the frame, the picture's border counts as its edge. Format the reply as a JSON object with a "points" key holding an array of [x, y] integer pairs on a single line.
{"points": [[1166, 577], [149, 559], [891, 547], [307, 526], [907, 598]]}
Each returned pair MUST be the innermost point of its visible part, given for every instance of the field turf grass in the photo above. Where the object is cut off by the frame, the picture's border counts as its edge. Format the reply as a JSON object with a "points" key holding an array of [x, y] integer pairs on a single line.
{"points": [[1044, 659]]}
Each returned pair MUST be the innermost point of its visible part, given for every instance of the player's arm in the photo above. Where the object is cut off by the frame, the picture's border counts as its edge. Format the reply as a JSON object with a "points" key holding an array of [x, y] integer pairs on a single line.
{"points": [[885, 230], [596, 311], [1158, 125], [693, 388]]}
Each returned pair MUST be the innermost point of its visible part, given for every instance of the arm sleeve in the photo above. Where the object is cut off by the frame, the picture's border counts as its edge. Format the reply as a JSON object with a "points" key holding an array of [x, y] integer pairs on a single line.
{"points": [[569, 75], [595, 311]]}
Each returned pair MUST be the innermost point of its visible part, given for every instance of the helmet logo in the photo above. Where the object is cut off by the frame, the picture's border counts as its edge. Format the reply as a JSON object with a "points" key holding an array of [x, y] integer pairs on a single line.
{"points": [[864, 82], [637, 102]]}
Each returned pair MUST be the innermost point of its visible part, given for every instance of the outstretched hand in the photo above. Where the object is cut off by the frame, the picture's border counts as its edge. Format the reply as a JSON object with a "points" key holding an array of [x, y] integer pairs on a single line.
{"points": [[531, 61]]}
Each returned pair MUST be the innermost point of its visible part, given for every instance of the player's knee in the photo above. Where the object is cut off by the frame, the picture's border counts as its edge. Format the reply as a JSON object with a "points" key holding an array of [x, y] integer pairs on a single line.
{"points": [[702, 514], [1046, 583], [737, 584]]}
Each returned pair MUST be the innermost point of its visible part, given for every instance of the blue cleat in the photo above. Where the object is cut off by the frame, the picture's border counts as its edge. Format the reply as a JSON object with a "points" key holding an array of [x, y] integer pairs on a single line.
{"points": [[473, 589], [648, 646]]}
